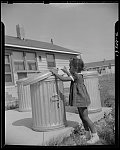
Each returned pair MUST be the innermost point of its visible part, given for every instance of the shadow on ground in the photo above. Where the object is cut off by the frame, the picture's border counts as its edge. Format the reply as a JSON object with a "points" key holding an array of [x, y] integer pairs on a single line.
{"points": [[27, 122], [72, 123]]}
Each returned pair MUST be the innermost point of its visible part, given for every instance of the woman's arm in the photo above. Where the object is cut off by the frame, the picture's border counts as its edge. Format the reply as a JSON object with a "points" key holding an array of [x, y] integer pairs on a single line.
{"points": [[61, 77], [65, 71]]}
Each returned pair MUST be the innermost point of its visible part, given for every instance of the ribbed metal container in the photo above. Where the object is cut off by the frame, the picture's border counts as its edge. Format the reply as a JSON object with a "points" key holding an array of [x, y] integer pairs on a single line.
{"points": [[48, 109], [24, 96], [92, 84]]}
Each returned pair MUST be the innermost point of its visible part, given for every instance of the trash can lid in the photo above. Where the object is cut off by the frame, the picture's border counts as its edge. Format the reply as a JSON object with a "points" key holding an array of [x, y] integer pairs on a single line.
{"points": [[34, 78]]}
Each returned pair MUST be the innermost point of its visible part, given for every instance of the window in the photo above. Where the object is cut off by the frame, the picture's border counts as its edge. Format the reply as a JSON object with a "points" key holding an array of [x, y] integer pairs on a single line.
{"points": [[22, 75], [18, 61], [31, 61], [8, 70], [24, 61], [50, 60], [19, 66]]}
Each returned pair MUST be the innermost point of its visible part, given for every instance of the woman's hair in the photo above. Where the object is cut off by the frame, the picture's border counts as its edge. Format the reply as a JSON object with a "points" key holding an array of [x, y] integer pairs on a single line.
{"points": [[77, 65]]}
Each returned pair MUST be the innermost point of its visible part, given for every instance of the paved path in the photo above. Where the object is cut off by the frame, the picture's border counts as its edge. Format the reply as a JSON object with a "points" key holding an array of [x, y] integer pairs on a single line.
{"points": [[18, 127]]}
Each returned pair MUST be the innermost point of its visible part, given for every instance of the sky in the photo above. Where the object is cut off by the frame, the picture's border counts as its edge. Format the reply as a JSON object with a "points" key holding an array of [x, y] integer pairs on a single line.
{"points": [[84, 27]]}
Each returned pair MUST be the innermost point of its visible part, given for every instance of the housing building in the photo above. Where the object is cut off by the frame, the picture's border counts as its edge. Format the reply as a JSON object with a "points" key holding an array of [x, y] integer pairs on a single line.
{"points": [[103, 67], [24, 57]]}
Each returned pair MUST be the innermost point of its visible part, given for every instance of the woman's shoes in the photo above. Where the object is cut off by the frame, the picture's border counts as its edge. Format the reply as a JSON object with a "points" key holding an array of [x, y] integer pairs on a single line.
{"points": [[94, 138], [87, 135], [91, 138]]}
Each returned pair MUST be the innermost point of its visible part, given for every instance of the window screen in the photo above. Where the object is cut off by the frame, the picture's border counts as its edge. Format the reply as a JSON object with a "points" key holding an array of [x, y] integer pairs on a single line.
{"points": [[8, 71], [50, 60]]}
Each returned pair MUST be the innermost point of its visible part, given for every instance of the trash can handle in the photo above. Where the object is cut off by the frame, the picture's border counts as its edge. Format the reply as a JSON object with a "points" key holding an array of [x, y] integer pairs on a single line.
{"points": [[55, 100], [52, 98]]}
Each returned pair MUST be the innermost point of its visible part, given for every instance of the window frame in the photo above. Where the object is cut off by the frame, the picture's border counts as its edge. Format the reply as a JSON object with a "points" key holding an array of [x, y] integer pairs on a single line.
{"points": [[49, 62], [32, 61], [12, 60], [25, 62], [27, 71], [19, 61], [9, 54]]}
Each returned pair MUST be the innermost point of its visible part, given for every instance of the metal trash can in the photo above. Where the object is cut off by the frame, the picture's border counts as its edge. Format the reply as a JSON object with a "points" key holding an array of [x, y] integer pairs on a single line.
{"points": [[24, 96], [47, 100], [92, 84]]}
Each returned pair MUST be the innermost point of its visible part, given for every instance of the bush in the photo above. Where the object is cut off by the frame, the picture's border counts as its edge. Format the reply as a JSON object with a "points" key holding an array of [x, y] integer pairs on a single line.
{"points": [[73, 139], [109, 102], [106, 128], [11, 106], [107, 89]]}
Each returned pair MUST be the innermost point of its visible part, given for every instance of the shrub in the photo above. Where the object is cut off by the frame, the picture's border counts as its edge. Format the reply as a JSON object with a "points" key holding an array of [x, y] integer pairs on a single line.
{"points": [[73, 139], [11, 106], [109, 102], [107, 89], [106, 128]]}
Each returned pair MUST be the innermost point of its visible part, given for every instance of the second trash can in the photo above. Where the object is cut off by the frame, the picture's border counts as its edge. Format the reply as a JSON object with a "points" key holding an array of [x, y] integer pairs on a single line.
{"points": [[24, 96], [47, 100], [92, 84]]}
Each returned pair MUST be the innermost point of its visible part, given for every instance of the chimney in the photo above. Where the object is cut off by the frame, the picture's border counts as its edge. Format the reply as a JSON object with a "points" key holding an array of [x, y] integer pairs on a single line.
{"points": [[20, 32]]}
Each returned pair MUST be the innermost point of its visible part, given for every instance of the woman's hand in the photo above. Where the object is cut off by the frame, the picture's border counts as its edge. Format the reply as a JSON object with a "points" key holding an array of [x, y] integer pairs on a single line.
{"points": [[64, 69], [62, 78]]}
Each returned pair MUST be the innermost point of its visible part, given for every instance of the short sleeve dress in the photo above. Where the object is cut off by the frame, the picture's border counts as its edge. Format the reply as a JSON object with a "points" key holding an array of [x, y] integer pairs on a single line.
{"points": [[78, 96]]}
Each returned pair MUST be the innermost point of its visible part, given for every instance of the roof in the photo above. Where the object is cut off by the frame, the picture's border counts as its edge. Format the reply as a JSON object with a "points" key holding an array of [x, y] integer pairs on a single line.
{"points": [[99, 63], [37, 45]]}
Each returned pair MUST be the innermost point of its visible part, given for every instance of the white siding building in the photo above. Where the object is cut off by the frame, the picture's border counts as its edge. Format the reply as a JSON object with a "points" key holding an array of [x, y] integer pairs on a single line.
{"points": [[24, 57], [103, 67]]}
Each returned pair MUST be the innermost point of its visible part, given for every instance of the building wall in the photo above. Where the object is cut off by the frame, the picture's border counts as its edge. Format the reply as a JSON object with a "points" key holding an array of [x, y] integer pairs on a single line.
{"points": [[106, 71], [113, 69], [11, 96], [42, 64], [60, 59]]}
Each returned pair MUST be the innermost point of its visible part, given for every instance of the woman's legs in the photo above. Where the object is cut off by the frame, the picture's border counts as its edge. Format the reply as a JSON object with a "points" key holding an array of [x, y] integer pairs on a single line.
{"points": [[87, 123], [83, 112], [83, 121]]}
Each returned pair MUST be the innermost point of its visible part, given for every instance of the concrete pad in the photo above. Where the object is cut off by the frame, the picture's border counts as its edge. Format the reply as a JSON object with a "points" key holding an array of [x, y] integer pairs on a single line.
{"points": [[19, 131], [18, 127]]}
